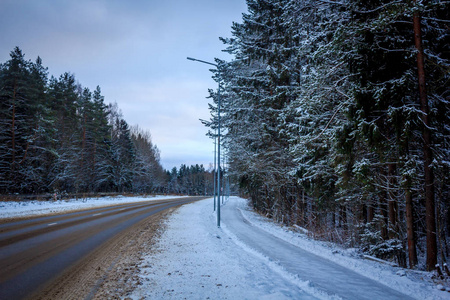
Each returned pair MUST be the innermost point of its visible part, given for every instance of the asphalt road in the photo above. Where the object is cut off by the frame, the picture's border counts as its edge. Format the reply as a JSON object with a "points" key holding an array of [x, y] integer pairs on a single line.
{"points": [[322, 274], [34, 252]]}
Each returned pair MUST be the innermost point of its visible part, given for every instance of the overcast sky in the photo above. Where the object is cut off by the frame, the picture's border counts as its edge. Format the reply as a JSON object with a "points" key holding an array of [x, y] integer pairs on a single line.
{"points": [[135, 50]]}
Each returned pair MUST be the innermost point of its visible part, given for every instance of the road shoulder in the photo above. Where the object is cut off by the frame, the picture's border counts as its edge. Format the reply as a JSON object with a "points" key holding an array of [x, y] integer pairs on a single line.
{"points": [[111, 271]]}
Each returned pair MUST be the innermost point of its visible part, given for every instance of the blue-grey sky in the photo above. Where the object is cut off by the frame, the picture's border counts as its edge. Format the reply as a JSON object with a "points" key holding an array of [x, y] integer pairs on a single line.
{"points": [[135, 50]]}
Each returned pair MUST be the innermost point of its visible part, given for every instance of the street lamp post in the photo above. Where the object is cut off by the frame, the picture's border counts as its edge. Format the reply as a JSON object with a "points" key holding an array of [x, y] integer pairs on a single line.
{"points": [[218, 137], [215, 170]]}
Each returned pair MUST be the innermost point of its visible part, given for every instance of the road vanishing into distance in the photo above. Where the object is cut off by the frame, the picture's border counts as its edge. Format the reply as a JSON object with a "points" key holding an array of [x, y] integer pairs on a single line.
{"points": [[338, 282], [36, 251]]}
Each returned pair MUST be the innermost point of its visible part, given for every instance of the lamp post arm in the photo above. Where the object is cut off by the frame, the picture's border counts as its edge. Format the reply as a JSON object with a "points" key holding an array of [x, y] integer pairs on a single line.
{"points": [[202, 61]]}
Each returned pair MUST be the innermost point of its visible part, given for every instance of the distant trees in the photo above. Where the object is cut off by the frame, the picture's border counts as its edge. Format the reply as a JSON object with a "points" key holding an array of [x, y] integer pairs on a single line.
{"points": [[56, 136], [149, 175], [326, 127], [190, 180]]}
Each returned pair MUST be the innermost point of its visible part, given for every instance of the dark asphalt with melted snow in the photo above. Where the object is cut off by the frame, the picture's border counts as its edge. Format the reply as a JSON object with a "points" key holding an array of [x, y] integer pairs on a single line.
{"points": [[35, 251]]}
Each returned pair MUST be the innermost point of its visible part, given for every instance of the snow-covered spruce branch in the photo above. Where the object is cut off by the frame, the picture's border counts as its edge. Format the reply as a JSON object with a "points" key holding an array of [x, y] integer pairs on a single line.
{"points": [[379, 7], [392, 50], [335, 68], [333, 2], [438, 60], [335, 113]]}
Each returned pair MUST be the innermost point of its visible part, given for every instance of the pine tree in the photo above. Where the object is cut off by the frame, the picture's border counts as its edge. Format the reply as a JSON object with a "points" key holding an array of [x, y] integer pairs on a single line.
{"points": [[39, 146], [63, 94], [23, 117], [148, 173], [122, 153]]}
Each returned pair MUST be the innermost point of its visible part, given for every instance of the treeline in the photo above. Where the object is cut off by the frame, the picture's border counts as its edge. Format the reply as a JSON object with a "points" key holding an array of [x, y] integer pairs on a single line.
{"points": [[336, 118], [190, 180], [59, 137]]}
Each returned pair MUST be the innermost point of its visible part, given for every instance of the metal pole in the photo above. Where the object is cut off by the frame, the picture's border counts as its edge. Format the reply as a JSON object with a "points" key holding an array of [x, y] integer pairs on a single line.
{"points": [[223, 179], [215, 171], [218, 153], [218, 138]]}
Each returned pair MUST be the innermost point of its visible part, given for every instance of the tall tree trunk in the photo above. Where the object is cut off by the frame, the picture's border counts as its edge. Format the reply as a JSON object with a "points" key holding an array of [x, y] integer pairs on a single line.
{"points": [[297, 207], [412, 253], [364, 214], [383, 207], [13, 126], [13, 167], [392, 203], [343, 217], [304, 207], [370, 211], [84, 135], [427, 153]]}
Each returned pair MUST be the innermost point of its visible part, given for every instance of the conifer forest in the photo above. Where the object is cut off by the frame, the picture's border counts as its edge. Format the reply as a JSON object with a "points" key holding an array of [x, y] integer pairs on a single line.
{"points": [[60, 139], [336, 118]]}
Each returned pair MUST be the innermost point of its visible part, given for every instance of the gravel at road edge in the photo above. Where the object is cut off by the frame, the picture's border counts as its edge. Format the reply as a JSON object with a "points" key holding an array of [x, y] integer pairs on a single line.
{"points": [[111, 271]]}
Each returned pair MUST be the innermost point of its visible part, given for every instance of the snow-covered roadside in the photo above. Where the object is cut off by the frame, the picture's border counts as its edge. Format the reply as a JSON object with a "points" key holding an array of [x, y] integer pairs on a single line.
{"points": [[13, 209], [195, 259], [416, 284]]}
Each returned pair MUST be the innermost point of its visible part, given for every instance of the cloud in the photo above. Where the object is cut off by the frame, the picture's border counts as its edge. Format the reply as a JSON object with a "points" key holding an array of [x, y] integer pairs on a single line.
{"points": [[136, 51], [170, 108]]}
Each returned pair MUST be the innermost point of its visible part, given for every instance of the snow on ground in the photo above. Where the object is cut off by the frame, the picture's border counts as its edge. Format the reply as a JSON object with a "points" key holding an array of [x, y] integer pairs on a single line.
{"points": [[13, 209], [196, 260]]}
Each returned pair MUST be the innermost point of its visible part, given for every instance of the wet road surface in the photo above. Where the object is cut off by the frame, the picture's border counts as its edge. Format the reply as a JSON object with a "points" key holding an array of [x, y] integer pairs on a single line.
{"points": [[35, 251]]}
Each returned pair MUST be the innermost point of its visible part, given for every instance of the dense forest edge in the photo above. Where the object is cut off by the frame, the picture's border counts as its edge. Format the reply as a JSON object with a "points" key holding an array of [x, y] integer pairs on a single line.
{"points": [[335, 117], [58, 139]]}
